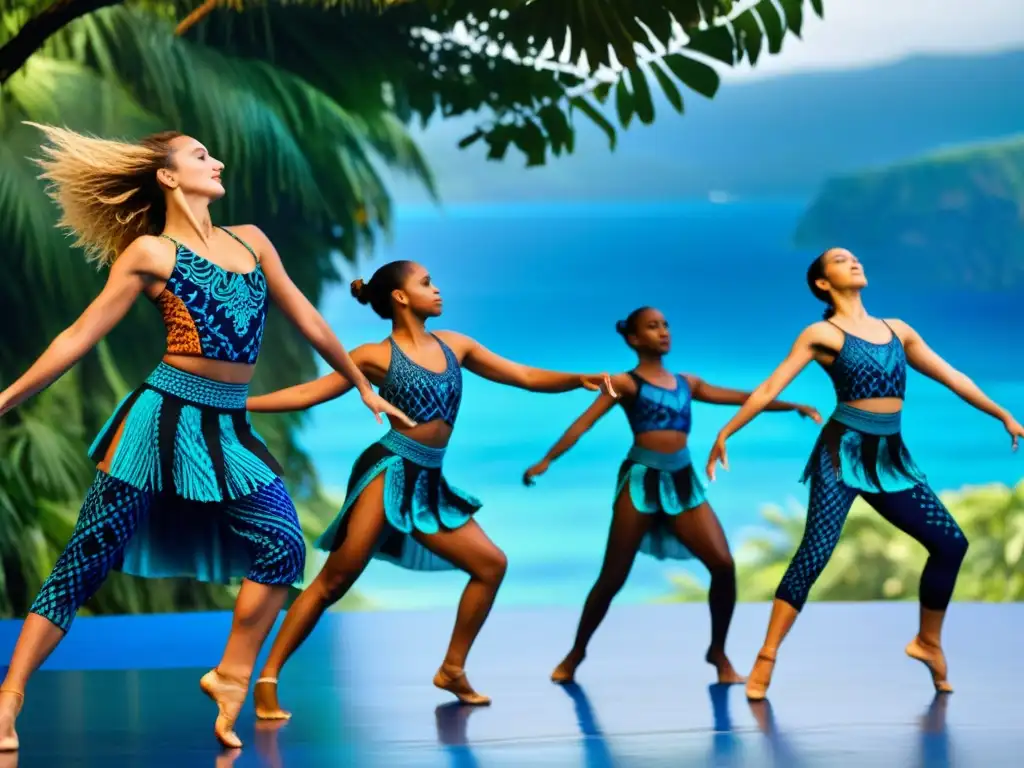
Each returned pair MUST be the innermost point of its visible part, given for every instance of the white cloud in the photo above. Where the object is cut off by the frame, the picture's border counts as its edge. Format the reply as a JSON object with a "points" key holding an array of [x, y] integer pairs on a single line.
{"points": [[858, 33]]}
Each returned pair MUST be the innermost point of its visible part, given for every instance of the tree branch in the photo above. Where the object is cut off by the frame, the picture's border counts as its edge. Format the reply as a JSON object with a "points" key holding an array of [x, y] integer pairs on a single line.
{"points": [[30, 38]]}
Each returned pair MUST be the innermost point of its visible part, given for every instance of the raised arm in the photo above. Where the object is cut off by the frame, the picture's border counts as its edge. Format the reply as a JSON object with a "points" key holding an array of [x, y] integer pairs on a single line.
{"points": [[799, 356], [577, 429], [481, 361], [311, 324], [924, 360], [709, 393], [138, 266]]}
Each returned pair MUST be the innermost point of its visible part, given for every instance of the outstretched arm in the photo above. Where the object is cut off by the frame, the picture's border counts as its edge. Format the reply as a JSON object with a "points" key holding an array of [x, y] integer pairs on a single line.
{"points": [[481, 361], [924, 360], [303, 396], [799, 356], [311, 324], [598, 408], [709, 393], [130, 273]]}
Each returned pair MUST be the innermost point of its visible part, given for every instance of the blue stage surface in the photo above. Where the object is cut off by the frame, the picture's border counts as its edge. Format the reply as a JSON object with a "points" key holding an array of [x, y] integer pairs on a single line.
{"points": [[123, 693]]}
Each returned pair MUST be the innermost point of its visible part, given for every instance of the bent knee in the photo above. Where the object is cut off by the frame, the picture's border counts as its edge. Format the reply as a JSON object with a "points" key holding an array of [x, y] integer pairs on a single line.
{"points": [[722, 566], [491, 568]]}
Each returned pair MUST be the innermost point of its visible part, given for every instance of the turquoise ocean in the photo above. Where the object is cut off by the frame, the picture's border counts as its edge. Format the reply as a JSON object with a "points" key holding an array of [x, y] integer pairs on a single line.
{"points": [[544, 284]]}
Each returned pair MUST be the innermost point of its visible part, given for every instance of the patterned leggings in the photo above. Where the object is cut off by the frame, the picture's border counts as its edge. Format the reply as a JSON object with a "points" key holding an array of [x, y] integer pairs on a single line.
{"points": [[266, 520], [917, 512]]}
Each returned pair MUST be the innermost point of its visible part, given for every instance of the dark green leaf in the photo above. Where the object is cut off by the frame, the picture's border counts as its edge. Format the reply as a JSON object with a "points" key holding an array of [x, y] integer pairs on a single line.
{"points": [[642, 103], [623, 102], [667, 86], [819, 8], [749, 35], [794, 10], [498, 140], [584, 106], [601, 92], [695, 74], [557, 127], [531, 142], [716, 42], [774, 29], [471, 139]]}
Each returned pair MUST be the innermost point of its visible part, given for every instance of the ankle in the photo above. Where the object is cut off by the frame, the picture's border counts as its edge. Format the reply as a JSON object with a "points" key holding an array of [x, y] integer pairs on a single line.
{"points": [[929, 641], [233, 675]]}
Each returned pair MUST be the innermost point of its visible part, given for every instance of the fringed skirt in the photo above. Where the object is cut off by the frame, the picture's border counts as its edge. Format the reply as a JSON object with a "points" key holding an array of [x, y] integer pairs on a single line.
{"points": [[866, 452], [188, 441], [416, 498], [663, 485]]}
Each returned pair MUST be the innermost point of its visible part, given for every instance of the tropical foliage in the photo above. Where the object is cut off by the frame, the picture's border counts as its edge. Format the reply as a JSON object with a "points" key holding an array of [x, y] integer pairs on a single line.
{"points": [[875, 561], [305, 102]]}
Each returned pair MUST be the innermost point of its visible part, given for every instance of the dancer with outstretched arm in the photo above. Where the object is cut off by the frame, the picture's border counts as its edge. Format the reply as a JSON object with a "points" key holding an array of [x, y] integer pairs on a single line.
{"points": [[861, 453], [660, 506], [399, 506]]}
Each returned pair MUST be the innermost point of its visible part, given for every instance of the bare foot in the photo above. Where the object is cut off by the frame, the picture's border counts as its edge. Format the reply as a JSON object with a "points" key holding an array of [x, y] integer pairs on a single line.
{"points": [[761, 675], [453, 680], [10, 706], [565, 672], [727, 674], [933, 658], [264, 695], [228, 695]]}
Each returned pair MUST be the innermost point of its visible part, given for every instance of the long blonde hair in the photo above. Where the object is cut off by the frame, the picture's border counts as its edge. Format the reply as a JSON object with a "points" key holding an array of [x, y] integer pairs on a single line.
{"points": [[107, 190]]}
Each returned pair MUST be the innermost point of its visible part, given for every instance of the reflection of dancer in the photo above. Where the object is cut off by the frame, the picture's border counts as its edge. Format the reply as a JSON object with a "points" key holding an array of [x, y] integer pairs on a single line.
{"points": [[183, 434], [861, 452], [656, 485], [399, 507]]}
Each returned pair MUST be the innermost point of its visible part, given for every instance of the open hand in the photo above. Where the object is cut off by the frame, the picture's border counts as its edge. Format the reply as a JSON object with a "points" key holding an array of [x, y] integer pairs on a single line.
{"points": [[379, 405], [535, 471], [718, 456], [602, 382], [1016, 431], [808, 412]]}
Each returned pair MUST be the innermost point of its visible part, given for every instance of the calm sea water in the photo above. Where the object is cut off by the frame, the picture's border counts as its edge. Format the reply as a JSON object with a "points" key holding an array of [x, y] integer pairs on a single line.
{"points": [[544, 285]]}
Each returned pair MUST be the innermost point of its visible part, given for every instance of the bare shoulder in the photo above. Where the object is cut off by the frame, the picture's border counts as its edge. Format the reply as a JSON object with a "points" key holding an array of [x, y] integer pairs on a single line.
{"points": [[460, 344], [821, 333], [901, 328], [148, 255], [624, 383], [373, 358], [254, 237]]}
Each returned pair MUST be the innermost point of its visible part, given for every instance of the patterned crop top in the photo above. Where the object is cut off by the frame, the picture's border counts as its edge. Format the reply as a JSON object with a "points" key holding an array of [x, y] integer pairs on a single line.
{"points": [[656, 409], [422, 394], [210, 312], [863, 370]]}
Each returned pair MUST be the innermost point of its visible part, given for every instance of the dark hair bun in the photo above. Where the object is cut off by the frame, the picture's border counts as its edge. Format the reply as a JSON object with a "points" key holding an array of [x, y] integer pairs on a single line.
{"points": [[622, 328], [358, 288]]}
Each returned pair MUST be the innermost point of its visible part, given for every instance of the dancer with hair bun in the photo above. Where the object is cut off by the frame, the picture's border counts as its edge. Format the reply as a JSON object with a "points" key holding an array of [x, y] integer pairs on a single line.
{"points": [[399, 506], [142, 210], [660, 507], [860, 452]]}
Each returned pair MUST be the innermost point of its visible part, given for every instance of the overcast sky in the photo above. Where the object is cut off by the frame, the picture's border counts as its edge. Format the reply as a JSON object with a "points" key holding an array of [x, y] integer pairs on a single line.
{"points": [[856, 33]]}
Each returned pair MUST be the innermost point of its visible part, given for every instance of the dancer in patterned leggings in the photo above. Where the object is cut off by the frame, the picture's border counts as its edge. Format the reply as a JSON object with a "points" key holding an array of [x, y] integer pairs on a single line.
{"points": [[184, 487], [861, 453], [399, 506], [660, 505]]}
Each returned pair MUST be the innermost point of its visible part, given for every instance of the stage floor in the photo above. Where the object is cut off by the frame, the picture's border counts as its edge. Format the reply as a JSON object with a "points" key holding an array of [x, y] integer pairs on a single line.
{"points": [[123, 693]]}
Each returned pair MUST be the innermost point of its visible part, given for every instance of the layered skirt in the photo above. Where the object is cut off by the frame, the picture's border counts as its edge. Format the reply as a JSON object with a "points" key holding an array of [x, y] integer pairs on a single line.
{"points": [[663, 485], [187, 440], [417, 497], [866, 452]]}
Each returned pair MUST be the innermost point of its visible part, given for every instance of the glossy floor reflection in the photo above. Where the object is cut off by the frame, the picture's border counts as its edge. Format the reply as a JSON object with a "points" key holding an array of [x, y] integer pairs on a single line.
{"points": [[123, 693]]}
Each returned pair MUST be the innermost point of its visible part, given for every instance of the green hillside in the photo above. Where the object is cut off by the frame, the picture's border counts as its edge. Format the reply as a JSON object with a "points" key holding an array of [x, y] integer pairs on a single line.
{"points": [[961, 209]]}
